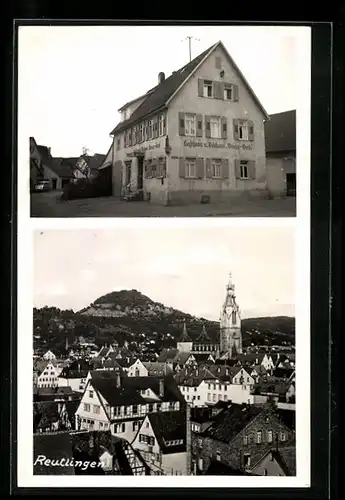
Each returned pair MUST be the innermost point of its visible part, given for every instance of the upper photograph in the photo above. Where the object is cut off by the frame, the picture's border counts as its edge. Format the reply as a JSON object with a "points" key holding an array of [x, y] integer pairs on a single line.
{"points": [[159, 121]]}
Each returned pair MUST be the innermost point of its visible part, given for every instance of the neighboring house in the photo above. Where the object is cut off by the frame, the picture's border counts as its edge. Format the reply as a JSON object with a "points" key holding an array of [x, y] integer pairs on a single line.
{"points": [[47, 373], [277, 389], [276, 462], [120, 404], [239, 437], [156, 369], [50, 416], [74, 375], [161, 440], [280, 136], [49, 355], [44, 167], [206, 385], [137, 369], [197, 136]]}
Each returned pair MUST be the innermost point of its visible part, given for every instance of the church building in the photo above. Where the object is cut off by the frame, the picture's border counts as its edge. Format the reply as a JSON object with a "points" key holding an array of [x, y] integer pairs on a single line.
{"points": [[230, 336]]}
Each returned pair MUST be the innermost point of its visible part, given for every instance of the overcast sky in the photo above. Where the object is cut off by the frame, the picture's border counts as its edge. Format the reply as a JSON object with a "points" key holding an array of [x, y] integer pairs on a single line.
{"points": [[186, 268], [72, 80]]}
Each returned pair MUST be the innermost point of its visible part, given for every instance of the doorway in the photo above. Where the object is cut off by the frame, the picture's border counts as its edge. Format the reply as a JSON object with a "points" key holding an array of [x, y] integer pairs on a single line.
{"points": [[291, 184], [128, 172], [140, 172]]}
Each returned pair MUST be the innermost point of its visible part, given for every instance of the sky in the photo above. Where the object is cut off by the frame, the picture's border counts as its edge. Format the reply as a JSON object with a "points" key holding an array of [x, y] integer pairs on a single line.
{"points": [[73, 79], [183, 267]]}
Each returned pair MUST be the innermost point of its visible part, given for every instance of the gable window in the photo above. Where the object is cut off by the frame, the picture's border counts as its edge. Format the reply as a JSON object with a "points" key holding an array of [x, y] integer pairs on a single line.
{"points": [[282, 436], [208, 88], [190, 172], [86, 407], [215, 127], [96, 408], [228, 92], [244, 169], [216, 168], [270, 436], [190, 124], [258, 437], [91, 394], [245, 440], [208, 397]]}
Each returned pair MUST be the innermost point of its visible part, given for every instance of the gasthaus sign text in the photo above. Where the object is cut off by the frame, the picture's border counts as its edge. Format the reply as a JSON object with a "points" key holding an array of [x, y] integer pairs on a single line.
{"points": [[215, 144]]}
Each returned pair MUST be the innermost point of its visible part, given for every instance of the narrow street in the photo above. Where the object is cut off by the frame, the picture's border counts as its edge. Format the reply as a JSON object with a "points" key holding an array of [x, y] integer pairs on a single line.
{"points": [[49, 205]]}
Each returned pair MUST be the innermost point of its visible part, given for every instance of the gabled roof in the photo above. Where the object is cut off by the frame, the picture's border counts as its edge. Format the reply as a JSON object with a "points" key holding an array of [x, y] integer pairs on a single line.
{"points": [[280, 132], [217, 468], [230, 422], [169, 426], [129, 391], [159, 96], [194, 377]]}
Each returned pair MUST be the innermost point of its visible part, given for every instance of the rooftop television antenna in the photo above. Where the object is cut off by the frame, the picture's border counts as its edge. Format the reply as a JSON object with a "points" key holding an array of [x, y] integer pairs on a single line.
{"points": [[189, 38]]}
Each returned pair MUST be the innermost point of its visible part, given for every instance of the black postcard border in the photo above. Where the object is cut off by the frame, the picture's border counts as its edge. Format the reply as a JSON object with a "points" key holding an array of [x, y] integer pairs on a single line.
{"points": [[324, 286]]}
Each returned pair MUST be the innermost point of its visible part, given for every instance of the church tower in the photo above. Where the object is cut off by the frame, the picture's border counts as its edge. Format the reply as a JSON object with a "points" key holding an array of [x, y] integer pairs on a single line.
{"points": [[185, 344], [230, 323]]}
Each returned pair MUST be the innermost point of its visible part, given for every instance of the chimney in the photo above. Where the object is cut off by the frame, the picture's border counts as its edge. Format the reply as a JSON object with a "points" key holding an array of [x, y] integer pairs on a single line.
{"points": [[118, 380], [161, 77], [161, 388]]}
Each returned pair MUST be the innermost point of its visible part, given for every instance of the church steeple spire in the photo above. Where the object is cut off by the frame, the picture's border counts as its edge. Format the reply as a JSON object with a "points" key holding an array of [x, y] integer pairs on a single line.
{"points": [[203, 335], [185, 337], [230, 322]]}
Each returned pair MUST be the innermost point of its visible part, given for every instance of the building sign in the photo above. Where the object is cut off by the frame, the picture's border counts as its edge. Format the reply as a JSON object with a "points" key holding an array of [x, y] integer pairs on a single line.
{"points": [[142, 149], [216, 144]]}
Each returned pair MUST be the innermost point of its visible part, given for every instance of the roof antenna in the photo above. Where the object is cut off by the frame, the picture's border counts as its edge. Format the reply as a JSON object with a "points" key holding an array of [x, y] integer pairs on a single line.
{"points": [[189, 38]]}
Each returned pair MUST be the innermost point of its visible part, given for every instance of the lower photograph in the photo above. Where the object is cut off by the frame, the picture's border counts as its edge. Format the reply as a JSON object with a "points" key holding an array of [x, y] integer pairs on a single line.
{"points": [[164, 351]]}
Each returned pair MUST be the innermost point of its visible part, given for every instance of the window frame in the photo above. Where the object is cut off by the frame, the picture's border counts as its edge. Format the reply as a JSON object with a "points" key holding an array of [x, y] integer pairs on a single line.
{"points": [[228, 87], [208, 84], [216, 164], [187, 165], [213, 120], [243, 125], [190, 130], [244, 169]]}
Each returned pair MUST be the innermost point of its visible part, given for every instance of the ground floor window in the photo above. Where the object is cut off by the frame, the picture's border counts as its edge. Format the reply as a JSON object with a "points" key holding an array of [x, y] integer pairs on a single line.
{"points": [[244, 169], [190, 167], [216, 168]]}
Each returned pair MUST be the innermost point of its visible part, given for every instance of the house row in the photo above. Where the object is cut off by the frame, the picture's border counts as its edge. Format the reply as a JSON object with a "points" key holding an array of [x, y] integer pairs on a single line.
{"points": [[200, 135], [247, 439], [60, 171]]}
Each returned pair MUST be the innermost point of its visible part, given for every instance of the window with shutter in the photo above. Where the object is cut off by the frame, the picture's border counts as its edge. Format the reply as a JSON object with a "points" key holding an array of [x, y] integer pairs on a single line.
{"points": [[190, 124], [243, 130], [199, 125], [228, 92], [207, 88], [190, 168], [215, 127], [181, 118], [244, 169], [216, 168]]}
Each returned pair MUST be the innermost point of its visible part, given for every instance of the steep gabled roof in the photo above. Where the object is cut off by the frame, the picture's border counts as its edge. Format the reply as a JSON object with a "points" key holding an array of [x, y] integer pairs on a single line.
{"points": [[159, 95], [280, 132], [232, 421], [169, 426], [185, 337]]}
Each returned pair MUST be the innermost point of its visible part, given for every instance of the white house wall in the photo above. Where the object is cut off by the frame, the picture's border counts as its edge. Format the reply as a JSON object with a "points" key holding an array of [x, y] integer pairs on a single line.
{"points": [[172, 463], [187, 100], [101, 421]]}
